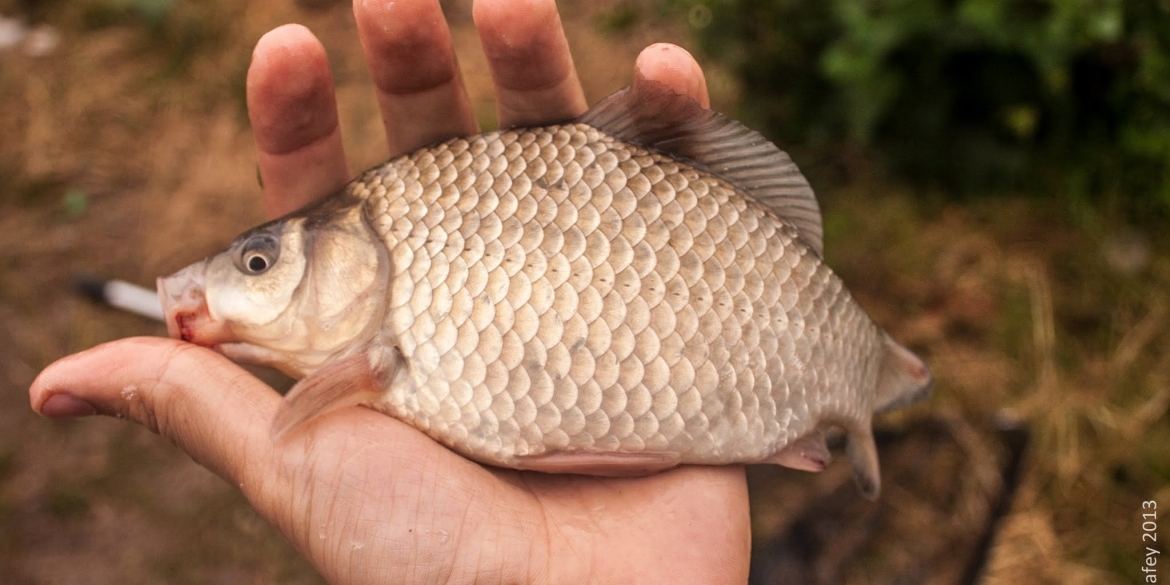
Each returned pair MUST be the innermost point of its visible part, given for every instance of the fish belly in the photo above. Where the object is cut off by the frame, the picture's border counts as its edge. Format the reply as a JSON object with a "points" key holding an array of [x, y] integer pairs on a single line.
{"points": [[555, 290]]}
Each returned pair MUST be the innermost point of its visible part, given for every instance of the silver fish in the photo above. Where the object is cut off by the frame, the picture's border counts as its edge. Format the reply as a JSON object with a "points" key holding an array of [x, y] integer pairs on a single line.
{"points": [[640, 288]]}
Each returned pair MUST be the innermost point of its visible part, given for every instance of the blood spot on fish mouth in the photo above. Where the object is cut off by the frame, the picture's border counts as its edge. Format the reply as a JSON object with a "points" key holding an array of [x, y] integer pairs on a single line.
{"points": [[186, 328]]}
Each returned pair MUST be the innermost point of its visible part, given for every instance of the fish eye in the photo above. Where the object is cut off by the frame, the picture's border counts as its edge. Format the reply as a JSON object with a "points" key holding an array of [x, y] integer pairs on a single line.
{"points": [[257, 263], [259, 253]]}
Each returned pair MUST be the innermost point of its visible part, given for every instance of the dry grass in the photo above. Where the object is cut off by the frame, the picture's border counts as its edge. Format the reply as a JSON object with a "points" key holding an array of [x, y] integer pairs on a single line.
{"points": [[1013, 302], [1025, 319]]}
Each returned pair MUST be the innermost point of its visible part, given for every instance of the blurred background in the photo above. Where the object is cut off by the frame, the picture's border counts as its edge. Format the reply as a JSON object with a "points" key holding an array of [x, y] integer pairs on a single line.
{"points": [[995, 180]]}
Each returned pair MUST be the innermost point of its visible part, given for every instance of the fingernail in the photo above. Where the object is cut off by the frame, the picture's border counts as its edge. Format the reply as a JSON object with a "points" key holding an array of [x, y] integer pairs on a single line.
{"points": [[66, 406]]}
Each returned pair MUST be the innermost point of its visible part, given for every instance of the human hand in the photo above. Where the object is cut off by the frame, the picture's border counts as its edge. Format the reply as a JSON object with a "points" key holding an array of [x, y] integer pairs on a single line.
{"points": [[365, 497]]}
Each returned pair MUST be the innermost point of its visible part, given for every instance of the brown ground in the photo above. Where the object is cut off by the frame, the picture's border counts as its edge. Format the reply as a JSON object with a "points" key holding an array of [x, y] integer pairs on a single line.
{"points": [[125, 152]]}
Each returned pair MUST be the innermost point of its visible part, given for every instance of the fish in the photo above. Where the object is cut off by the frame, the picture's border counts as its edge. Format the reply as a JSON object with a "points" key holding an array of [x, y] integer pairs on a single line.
{"points": [[635, 289]]}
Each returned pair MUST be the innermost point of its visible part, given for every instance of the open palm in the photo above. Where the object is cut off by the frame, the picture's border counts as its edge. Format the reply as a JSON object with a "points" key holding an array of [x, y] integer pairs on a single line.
{"points": [[369, 499], [365, 497]]}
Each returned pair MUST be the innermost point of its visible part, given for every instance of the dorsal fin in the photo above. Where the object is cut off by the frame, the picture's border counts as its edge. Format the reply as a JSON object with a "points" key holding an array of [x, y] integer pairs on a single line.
{"points": [[653, 115]]}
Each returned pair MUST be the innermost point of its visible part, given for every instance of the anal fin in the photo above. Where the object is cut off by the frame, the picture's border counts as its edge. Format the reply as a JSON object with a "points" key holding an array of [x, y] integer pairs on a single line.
{"points": [[605, 464], [807, 453], [347, 382]]}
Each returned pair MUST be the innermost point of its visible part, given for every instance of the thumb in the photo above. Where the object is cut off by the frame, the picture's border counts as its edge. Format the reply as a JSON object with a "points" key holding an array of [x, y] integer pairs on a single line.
{"points": [[211, 408]]}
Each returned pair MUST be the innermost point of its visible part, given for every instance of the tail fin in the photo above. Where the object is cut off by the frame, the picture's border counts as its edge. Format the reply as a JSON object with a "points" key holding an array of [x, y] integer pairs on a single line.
{"points": [[904, 378]]}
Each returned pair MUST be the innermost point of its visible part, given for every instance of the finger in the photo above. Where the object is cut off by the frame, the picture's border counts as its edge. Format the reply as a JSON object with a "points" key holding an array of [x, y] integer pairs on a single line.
{"points": [[208, 406], [675, 67], [294, 119], [416, 76], [536, 82]]}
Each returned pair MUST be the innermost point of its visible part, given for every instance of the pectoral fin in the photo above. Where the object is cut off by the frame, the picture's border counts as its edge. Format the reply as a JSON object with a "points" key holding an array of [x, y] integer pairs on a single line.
{"points": [[347, 382]]}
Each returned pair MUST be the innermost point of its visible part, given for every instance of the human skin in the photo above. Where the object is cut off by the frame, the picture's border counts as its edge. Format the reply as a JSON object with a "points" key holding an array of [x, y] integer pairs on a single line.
{"points": [[366, 498]]}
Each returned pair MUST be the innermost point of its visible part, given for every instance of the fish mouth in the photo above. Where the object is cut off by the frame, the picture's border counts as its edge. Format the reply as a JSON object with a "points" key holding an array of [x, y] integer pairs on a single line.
{"points": [[184, 305]]}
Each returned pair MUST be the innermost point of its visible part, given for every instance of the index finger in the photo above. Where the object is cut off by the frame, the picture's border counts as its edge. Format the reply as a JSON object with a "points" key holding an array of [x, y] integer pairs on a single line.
{"points": [[294, 120]]}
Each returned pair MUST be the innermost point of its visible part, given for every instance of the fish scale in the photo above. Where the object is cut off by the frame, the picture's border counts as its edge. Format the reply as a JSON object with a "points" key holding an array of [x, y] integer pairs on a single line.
{"points": [[636, 289], [654, 340]]}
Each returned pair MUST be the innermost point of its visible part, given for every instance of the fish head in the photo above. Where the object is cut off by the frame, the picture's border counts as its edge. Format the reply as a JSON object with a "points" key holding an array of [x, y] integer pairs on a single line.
{"points": [[294, 294]]}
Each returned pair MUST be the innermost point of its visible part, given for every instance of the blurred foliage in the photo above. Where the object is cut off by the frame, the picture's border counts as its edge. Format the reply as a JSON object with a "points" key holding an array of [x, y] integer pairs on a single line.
{"points": [[970, 96], [74, 202], [153, 13], [96, 13], [178, 31]]}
